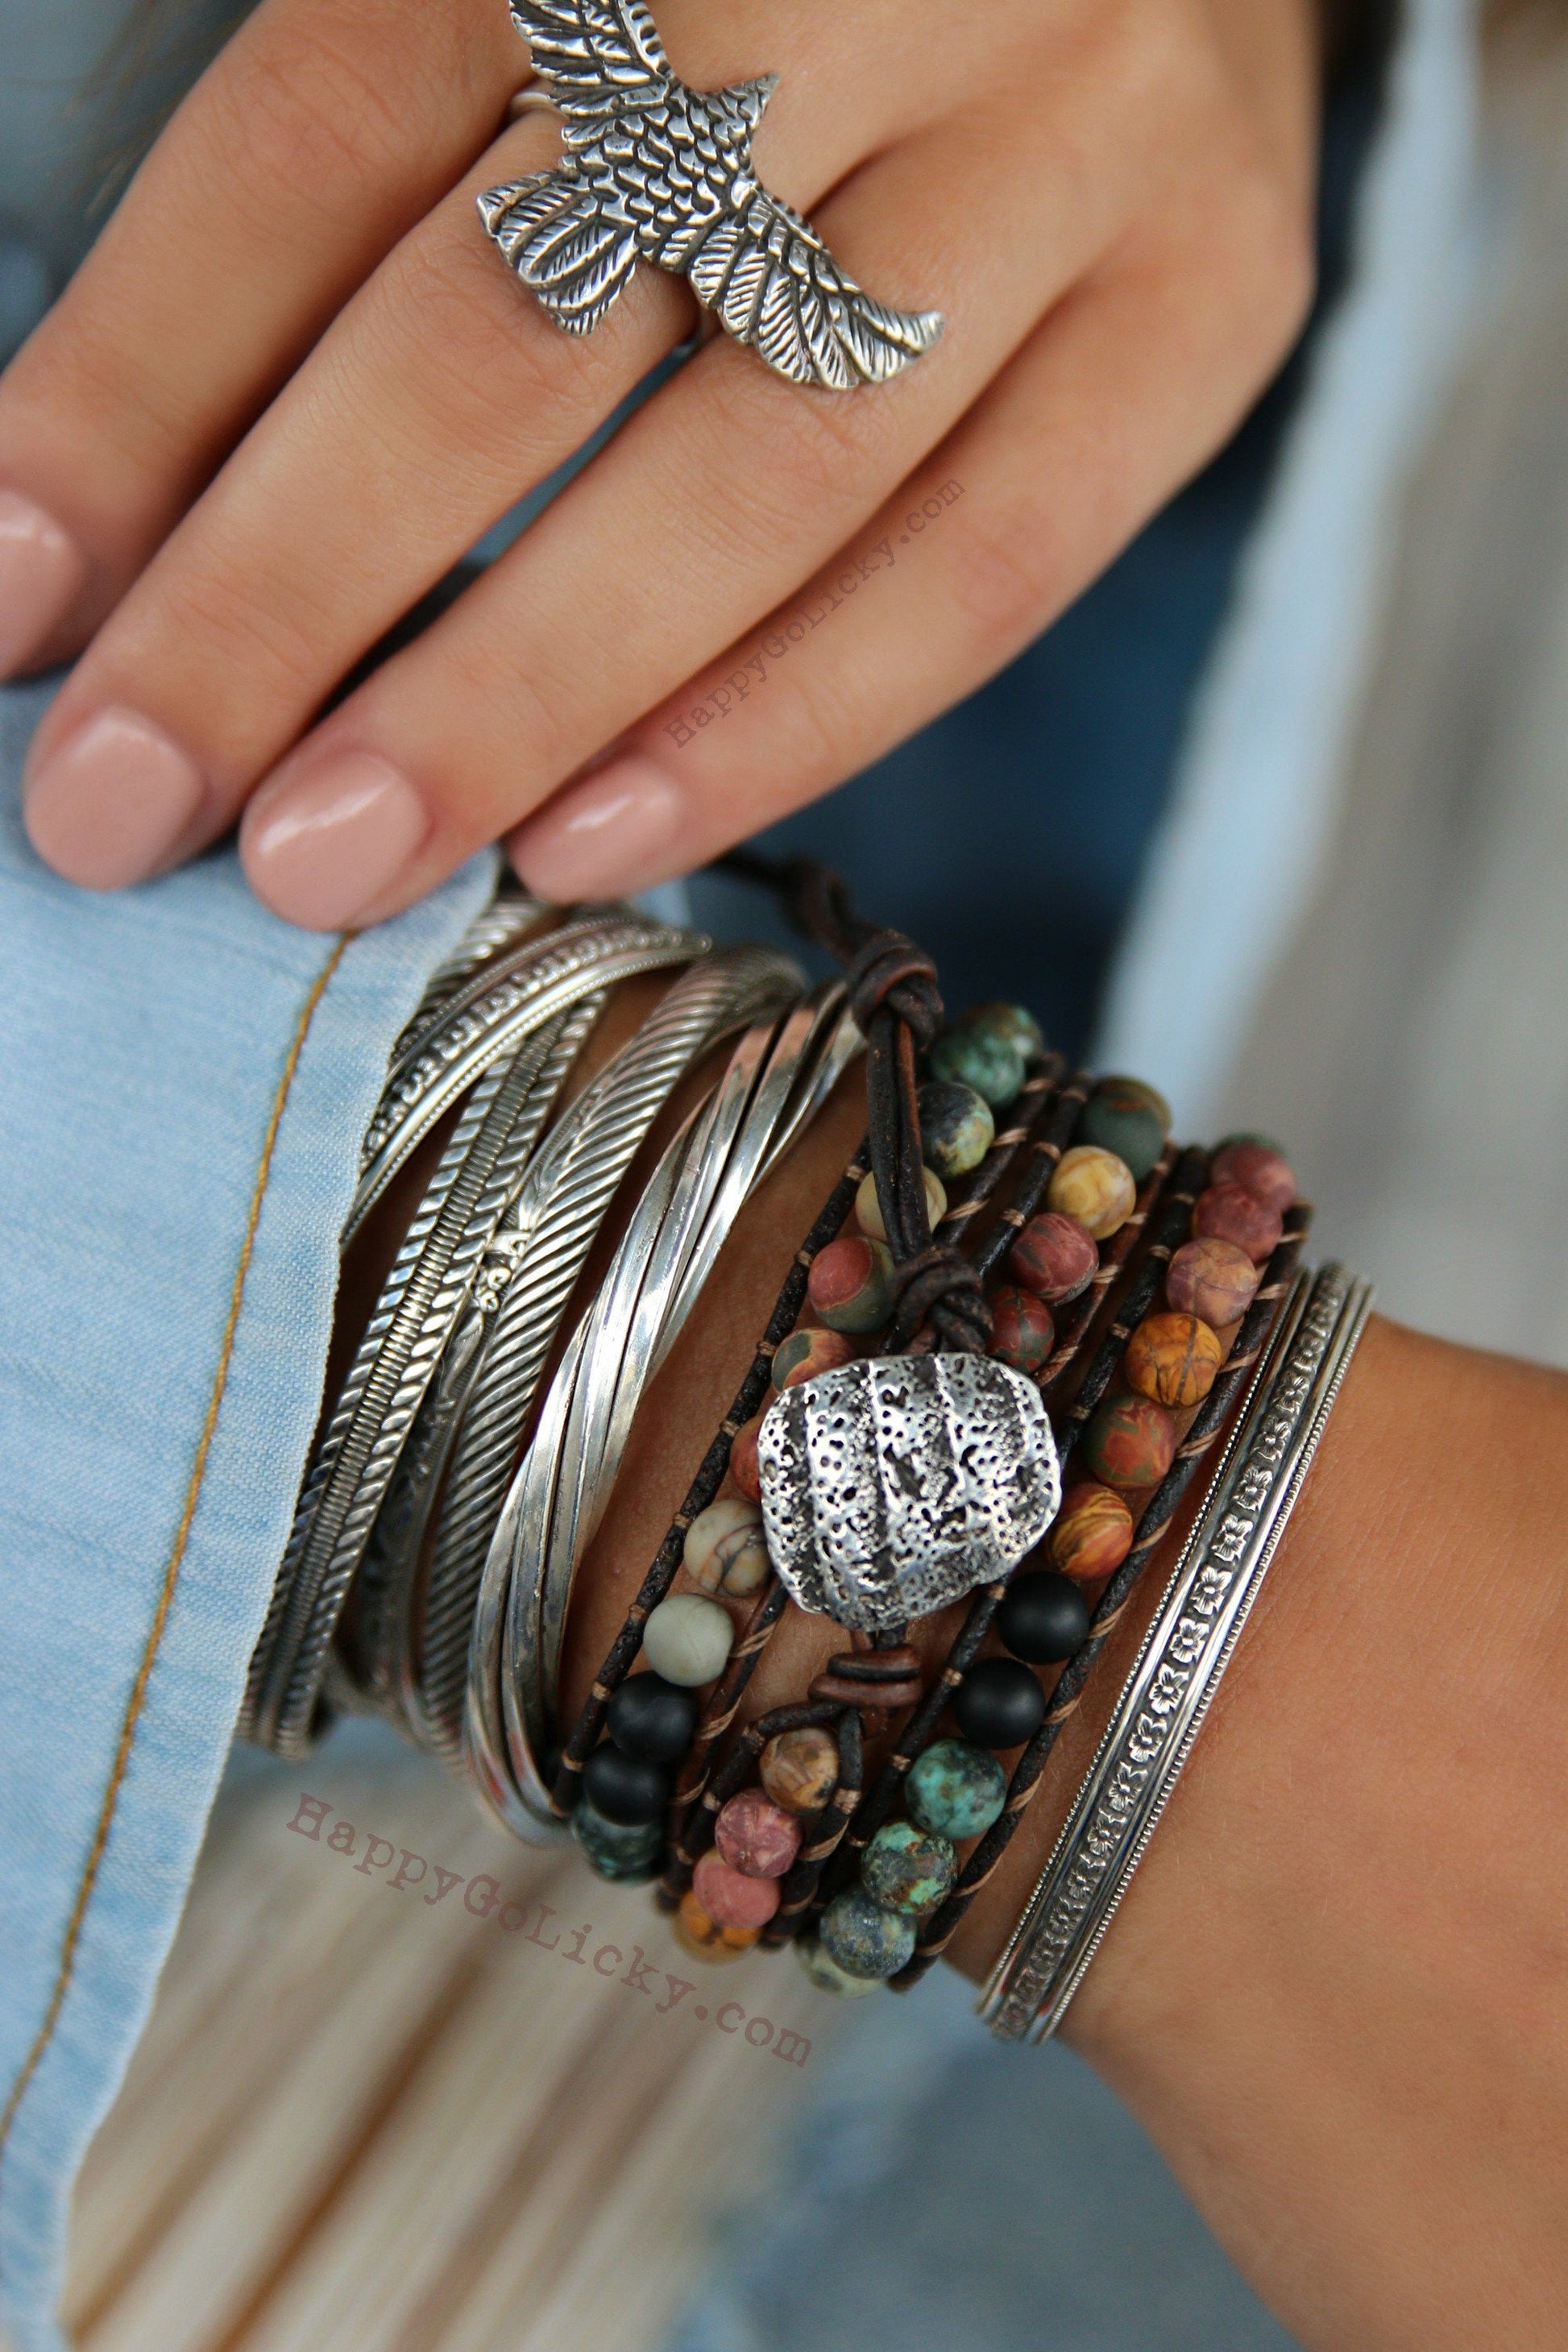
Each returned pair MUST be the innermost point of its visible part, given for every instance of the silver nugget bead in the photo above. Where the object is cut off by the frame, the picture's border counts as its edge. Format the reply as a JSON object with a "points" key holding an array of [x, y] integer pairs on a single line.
{"points": [[893, 1486]]}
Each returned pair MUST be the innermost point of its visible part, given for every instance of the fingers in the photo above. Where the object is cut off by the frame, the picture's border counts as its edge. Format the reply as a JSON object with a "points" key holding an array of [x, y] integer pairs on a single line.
{"points": [[1116, 399], [726, 491], [324, 129]]}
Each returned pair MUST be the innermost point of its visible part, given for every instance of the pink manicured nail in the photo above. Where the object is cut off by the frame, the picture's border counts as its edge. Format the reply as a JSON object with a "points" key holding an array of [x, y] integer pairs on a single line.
{"points": [[111, 804], [614, 832], [41, 573], [323, 841]]}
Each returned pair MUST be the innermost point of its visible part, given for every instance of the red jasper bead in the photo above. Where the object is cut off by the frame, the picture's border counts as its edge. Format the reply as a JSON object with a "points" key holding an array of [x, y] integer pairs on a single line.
{"points": [[1054, 1256], [807, 1352], [1229, 1213], [1023, 1328], [744, 1467], [1257, 1168], [756, 1836], [850, 1285], [1091, 1534], [1214, 1280], [1131, 1441], [730, 1898]]}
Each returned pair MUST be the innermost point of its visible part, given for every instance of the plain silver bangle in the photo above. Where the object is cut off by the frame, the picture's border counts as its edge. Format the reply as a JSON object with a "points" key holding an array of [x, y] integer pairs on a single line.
{"points": [[1183, 1657]]}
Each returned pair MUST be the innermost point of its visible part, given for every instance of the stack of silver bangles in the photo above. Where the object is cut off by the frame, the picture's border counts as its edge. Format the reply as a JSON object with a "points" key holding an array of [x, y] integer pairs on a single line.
{"points": [[459, 1561], [454, 1489]]}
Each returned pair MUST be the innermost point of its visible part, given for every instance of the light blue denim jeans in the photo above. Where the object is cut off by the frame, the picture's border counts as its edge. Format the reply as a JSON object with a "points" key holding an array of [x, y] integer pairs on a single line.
{"points": [[183, 1082]]}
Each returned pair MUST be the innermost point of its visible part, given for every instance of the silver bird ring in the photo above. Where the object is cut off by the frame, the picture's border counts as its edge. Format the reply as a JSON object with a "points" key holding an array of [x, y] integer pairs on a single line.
{"points": [[653, 171]]}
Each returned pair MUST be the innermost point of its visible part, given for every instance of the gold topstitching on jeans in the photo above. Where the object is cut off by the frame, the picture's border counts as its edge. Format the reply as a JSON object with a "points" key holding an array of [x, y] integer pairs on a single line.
{"points": [[133, 1706]]}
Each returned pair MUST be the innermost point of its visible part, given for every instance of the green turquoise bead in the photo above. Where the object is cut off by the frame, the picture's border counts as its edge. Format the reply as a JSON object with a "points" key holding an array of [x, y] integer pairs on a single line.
{"points": [[1014, 1022], [1115, 1120], [826, 1975], [864, 1937], [627, 1856], [975, 1057], [956, 1127], [908, 1869], [956, 1789]]}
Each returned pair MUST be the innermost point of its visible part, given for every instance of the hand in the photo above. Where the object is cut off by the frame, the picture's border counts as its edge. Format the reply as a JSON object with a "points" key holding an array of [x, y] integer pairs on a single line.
{"points": [[293, 384]]}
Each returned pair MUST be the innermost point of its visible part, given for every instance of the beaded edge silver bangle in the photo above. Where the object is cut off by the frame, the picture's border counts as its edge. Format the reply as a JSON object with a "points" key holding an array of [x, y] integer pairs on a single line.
{"points": [[1181, 1661]]}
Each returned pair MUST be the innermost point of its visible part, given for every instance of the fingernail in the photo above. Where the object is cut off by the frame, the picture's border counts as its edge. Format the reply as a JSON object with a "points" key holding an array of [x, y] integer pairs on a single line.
{"points": [[111, 804], [323, 844], [617, 830], [41, 573]]}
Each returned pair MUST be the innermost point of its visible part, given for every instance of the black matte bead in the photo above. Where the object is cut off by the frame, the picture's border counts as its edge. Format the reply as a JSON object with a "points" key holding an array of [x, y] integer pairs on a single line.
{"points": [[1044, 1618], [625, 1788], [999, 1703], [652, 1718]]}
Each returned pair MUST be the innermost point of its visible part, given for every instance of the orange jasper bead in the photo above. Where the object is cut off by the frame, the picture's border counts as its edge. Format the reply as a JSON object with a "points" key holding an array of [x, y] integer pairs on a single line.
{"points": [[1092, 1533], [704, 1939], [1172, 1358]]}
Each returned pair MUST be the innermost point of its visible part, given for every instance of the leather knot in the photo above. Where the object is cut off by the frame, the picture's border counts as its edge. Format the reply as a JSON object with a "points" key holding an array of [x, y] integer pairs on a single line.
{"points": [[892, 974], [889, 1679], [942, 1285]]}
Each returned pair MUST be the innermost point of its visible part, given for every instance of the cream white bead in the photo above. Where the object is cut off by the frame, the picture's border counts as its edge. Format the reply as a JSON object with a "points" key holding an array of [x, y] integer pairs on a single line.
{"points": [[868, 1209], [725, 1548], [688, 1639]]}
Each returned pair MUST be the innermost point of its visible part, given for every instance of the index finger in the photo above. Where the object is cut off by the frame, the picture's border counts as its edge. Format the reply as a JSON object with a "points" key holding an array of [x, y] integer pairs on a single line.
{"points": [[315, 141]]}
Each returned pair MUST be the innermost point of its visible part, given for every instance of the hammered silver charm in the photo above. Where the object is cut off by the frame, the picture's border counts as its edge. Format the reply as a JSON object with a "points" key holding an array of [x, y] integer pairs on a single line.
{"points": [[895, 1485], [657, 171]]}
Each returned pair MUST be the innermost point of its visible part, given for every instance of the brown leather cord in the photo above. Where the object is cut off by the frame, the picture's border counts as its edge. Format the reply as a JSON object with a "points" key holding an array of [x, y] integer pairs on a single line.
{"points": [[894, 997], [983, 1604], [1153, 1524], [709, 1477]]}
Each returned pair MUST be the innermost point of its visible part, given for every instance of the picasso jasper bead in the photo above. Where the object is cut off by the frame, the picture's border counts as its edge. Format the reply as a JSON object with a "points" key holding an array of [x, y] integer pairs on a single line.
{"points": [[729, 1897], [1117, 1119], [1229, 1213], [868, 1209], [624, 1853], [1043, 1618], [981, 1059], [955, 1790], [1092, 1532], [1172, 1358], [1129, 1442], [957, 1128], [824, 1973], [1257, 1168], [755, 1836], [1094, 1186], [999, 1703], [1214, 1280], [806, 1352], [725, 1552], [688, 1640], [864, 1937], [799, 1769], [850, 1285], [1023, 1329], [1056, 1257], [650, 1718], [707, 1938], [907, 1868], [1014, 1022], [625, 1788]]}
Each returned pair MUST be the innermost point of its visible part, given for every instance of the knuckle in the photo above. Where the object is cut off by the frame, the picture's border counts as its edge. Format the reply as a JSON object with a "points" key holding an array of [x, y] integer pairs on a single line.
{"points": [[800, 458], [307, 112], [1005, 575], [244, 625]]}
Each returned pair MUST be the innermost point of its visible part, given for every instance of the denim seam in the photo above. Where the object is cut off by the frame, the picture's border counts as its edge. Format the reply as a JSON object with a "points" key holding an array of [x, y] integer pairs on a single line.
{"points": [[134, 1704]]}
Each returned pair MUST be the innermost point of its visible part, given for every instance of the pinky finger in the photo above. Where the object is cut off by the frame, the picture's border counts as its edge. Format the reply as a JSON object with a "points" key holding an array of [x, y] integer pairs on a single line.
{"points": [[1119, 395]]}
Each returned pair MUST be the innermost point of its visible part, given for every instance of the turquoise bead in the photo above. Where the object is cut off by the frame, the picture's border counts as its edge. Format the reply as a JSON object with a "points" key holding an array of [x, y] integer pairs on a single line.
{"points": [[973, 1057], [956, 1127], [627, 1856], [956, 1789], [908, 1869], [1115, 1119], [864, 1937], [827, 1976], [1014, 1022]]}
